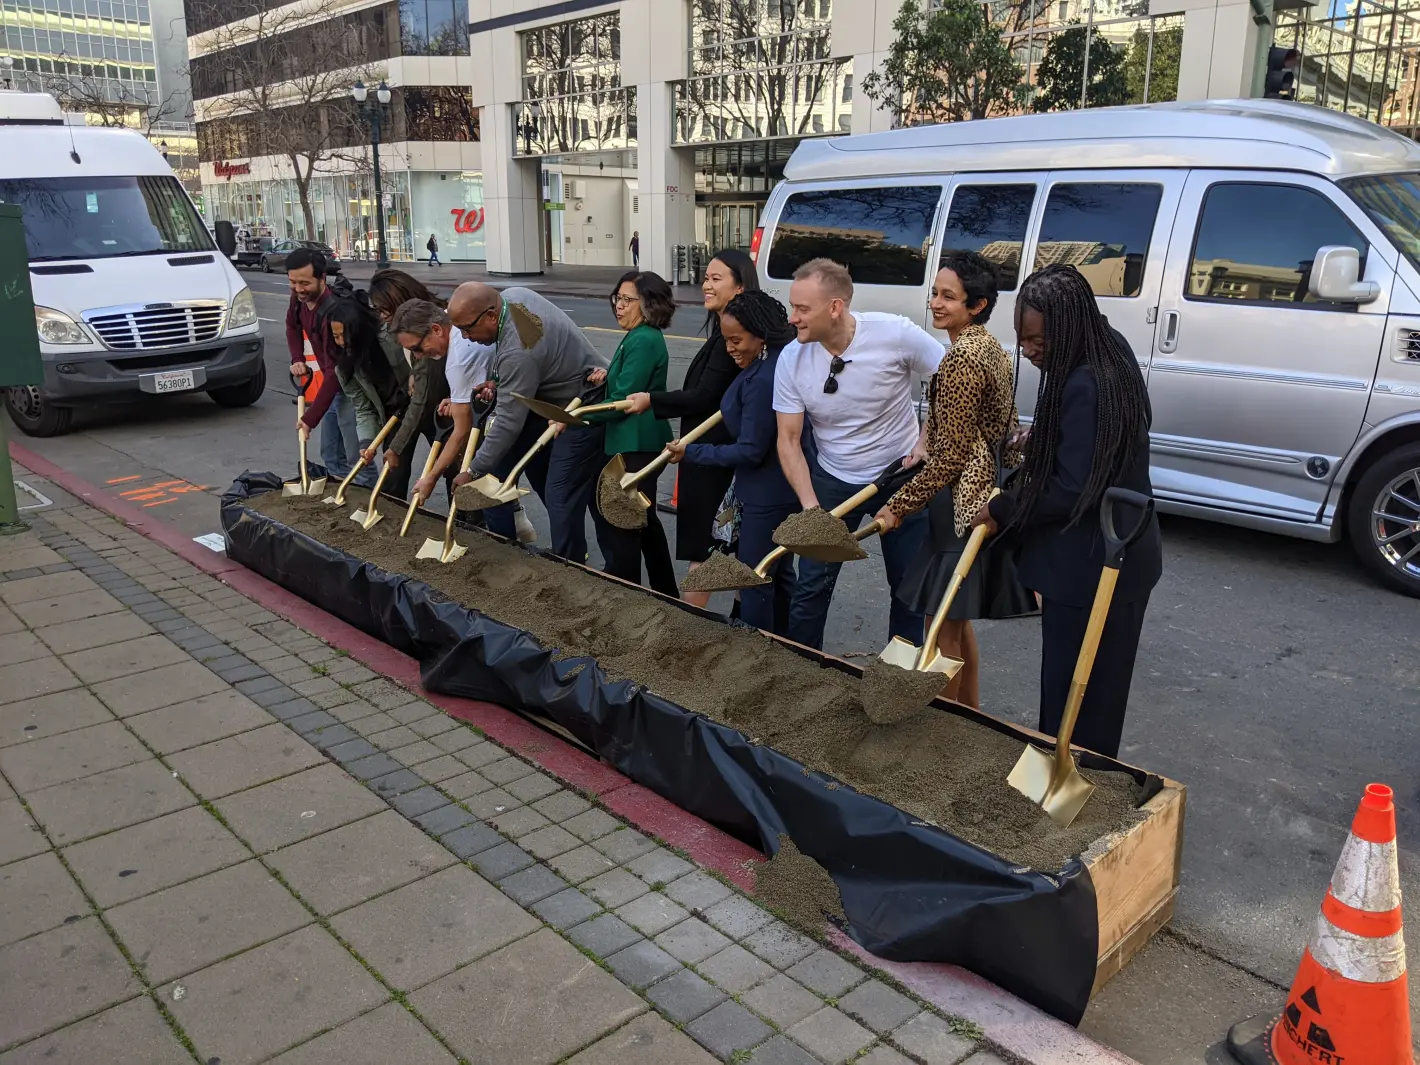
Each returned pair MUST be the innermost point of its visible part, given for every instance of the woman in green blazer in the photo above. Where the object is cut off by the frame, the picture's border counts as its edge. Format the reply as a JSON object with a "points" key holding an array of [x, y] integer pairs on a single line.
{"points": [[643, 305]]}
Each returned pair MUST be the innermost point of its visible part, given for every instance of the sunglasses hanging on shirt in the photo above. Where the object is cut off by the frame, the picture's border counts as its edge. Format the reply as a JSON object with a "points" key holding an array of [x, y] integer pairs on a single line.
{"points": [[835, 368]]}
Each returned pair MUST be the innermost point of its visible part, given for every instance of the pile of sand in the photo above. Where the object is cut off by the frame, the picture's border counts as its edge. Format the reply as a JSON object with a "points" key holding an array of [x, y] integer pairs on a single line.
{"points": [[937, 766], [721, 573], [619, 506], [798, 888], [816, 527]]}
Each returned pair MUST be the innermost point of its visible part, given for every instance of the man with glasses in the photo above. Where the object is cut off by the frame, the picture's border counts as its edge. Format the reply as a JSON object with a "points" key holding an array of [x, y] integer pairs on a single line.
{"points": [[534, 349], [851, 377]]}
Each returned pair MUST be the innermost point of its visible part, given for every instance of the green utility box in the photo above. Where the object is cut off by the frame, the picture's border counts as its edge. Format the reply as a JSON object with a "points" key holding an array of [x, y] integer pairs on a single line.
{"points": [[19, 342]]}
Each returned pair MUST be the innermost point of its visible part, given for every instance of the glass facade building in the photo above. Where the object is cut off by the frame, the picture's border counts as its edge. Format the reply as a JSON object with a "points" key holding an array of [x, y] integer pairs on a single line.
{"points": [[91, 54]]}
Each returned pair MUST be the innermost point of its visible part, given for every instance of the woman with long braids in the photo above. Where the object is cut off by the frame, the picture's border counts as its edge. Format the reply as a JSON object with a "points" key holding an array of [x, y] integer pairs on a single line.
{"points": [[1091, 433], [755, 329]]}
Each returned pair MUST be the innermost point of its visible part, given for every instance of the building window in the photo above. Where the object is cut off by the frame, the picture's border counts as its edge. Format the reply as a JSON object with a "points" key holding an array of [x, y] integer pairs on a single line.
{"points": [[881, 233], [572, 73], [440, 113], [1256, 244], [992, 220], [1102, 229]]}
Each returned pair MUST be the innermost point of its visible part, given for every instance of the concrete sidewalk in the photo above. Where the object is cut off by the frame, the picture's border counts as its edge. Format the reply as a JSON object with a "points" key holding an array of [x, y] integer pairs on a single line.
{"points": [[584, 282], [222, 839]]}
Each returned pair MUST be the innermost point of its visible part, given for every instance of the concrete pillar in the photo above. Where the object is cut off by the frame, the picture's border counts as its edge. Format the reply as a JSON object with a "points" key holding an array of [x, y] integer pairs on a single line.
{"points": [[511, 198], [665, 181], [1220, 47], [863, 30]]}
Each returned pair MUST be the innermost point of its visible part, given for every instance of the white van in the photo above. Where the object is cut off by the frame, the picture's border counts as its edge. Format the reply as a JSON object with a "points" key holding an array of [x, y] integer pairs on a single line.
{"points": [[1262, 257], [131, 294]]}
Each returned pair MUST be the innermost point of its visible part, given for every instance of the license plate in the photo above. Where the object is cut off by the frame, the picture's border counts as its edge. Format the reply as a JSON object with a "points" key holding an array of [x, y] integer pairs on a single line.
{"points": [[174, 381]]}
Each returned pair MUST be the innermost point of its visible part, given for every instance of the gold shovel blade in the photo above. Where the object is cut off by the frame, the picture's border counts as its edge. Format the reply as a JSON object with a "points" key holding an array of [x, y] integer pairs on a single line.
{"points": [[1034, 776], [845, 552], [431, 548], [453, 552], [293, 488], [492, 491], [551, 411], [368, 519], [317, 486], [901, 653]]}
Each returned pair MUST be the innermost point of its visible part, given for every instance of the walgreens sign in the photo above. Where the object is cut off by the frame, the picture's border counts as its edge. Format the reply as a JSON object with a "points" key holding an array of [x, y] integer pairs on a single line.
{"points": [[467, 221]]}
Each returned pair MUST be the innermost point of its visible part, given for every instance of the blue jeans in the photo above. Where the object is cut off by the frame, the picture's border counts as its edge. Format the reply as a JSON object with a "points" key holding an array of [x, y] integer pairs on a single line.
{"points": [[808, 611], [340, 444], [767, 605]]}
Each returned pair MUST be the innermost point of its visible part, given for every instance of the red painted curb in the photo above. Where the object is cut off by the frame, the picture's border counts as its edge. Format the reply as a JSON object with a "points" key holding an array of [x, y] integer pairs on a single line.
{"points": [[1009, 1022]]}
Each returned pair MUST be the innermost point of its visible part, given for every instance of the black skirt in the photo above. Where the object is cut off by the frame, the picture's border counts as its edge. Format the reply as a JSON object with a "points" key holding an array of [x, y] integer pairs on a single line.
{"points": [[700, 492], [991, 588]]}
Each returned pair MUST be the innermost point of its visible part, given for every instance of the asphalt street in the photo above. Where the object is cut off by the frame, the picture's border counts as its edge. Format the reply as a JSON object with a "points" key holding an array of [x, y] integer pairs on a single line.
{"points": [[1274, 679]]}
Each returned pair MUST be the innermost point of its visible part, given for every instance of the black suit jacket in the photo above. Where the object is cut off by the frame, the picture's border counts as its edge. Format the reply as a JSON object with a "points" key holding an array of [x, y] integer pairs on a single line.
{"points": [[706, 380], [1061, 561]]}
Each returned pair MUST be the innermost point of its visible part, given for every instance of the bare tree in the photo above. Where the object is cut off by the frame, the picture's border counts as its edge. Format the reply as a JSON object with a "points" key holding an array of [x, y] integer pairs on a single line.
{"points": [[769, 67], [108, 102], [279, 82]]}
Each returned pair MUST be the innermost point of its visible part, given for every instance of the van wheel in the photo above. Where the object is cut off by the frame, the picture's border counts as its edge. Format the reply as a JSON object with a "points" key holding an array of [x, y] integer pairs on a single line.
{"points": [[33, 414], [1383, 520], [242, 395]]}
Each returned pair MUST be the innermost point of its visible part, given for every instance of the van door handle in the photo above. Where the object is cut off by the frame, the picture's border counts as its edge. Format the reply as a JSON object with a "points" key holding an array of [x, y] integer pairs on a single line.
{"points": [[1168, 333]]}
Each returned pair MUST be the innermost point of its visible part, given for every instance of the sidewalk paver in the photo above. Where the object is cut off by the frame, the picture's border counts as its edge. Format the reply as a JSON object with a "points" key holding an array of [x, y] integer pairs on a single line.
{"points": [[222, 839]]}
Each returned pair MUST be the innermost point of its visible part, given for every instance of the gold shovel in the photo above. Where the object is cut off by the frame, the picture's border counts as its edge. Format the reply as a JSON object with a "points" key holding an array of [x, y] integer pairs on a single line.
{"points": [[446, 550], [428, 469], [1052, 780], [338, 500], [553, 413], [927, 659], [489, 491], [846, 549], [614, 472], [368, 519], [306, 486]]}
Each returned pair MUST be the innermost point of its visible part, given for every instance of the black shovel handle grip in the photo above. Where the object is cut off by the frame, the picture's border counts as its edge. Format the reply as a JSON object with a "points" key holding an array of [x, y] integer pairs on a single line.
{"points": [[1114, 542], [895, 476]]}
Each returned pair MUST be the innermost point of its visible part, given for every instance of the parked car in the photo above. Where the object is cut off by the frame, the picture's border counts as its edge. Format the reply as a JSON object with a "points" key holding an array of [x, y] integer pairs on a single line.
{"points": [[1261, 257], [275, 257], [131, 294]]}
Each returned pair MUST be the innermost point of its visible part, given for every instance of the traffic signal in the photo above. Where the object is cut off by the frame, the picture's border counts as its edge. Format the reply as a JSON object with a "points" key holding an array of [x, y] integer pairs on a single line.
{"points": [[1281, 77]]}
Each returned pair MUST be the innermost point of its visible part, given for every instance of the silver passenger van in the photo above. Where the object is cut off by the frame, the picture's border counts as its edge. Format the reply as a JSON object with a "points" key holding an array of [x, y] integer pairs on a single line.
{"points": [[1262, 257]]}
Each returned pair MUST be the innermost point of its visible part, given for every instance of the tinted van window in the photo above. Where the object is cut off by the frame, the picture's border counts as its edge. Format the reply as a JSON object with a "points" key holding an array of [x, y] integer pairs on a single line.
{"points": [[879, 234], [1103, 229], [992, 220], [1256, 243]]}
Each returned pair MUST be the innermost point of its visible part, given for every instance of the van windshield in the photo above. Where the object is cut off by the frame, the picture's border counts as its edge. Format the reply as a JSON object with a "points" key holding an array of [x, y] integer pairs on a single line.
{"points": [[1393, 202], [105, 217]]}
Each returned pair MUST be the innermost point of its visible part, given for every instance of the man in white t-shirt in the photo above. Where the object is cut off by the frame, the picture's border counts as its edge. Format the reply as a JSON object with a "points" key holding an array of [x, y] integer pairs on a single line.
{"points": [[851, 378]]}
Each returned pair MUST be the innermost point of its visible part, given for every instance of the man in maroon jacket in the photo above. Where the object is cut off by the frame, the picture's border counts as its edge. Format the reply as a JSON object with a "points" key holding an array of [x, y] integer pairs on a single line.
{"points": [[328, 408]]}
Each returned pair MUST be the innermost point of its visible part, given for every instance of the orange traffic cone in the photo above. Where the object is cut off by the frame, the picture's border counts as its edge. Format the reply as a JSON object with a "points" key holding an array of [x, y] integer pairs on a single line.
{"points": [[1349, 1004]]}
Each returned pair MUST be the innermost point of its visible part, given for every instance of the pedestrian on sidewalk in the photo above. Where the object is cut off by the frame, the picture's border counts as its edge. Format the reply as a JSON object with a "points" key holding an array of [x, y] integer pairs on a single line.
{"points": [[972, 411], [1091, 433], [428, 384], [702, 487], [328, 408], [850, 377], [635, 247], [433, 246]]}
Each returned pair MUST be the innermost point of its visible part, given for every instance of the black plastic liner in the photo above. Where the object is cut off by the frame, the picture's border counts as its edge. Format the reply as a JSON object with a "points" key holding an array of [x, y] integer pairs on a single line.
{"points": [[911, 892]]}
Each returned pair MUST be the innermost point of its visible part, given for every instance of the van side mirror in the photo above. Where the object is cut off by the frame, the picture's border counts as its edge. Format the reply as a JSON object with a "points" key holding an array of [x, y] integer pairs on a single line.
{"points": [[1336, 277], [226, 237]]}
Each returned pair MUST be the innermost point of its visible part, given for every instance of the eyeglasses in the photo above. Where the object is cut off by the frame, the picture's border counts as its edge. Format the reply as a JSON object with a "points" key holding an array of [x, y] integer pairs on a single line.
{"points": [[620, 300], [474, 324], [835, 368]]}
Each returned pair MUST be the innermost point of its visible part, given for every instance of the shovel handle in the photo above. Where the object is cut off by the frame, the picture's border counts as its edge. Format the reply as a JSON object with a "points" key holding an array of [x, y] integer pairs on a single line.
{"points": [[541, 442], [414, 503], [660, 460], [968, 556], [616, 404], [1114, 543], [301, 442], [384, 433], [468, 450], [375, 492], [1084, 664], [854, 501], [768, 560], [871, 529]]}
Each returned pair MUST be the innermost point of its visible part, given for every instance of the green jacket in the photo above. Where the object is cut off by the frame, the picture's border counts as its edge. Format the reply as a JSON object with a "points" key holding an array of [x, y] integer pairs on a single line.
{"points": [[639, 365]]}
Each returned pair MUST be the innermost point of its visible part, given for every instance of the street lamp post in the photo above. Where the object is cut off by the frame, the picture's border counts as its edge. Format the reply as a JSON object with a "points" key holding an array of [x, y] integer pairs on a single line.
{"points": [[372, 112]]}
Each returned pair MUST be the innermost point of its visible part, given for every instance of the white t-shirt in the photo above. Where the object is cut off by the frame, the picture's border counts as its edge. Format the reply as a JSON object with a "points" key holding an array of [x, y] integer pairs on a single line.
{"points": [[871, 420], [466, 366]]}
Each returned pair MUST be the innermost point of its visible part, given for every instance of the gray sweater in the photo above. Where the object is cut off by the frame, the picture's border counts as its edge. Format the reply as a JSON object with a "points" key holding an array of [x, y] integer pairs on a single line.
{"points": [[552, 368]]}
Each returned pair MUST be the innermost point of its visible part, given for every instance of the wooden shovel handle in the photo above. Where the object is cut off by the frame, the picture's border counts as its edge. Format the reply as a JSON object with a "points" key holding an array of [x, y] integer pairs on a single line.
{"points": [[1084, 665], [616, 404], [468, 450], [855, 500], [301, 434], [542, 442], [963, 567], [665, 456], [381, 436]]}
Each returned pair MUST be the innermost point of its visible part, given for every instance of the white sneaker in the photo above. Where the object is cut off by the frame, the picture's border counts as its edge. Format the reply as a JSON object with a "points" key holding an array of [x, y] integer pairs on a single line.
{"points": [[527, 534]]}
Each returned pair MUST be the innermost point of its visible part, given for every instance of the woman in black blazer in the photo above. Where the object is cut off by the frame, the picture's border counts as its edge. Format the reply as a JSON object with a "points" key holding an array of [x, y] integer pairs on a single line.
{"points": [[702, 488], [1091, 433]]}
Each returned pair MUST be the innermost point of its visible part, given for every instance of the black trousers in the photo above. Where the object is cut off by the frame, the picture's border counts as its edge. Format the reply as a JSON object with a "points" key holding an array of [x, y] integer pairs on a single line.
{"points": [[1101, 721], [625, 548], [402, 476]]}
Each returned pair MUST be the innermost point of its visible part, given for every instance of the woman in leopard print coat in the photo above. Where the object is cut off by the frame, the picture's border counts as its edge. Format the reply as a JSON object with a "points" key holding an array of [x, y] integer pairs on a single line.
{"points": [[972, 414]]}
